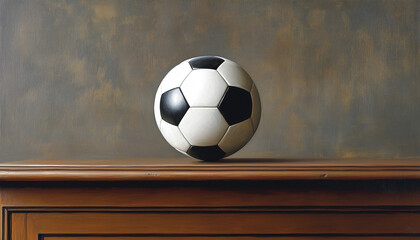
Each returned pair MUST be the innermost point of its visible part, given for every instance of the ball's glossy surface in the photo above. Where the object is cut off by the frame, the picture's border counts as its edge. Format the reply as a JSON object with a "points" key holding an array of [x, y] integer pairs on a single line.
{"points": [[207, 107]]}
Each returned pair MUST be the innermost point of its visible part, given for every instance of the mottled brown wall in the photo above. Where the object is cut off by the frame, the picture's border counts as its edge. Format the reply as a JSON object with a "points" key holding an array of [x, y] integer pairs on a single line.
{"points": [[337, 78]]}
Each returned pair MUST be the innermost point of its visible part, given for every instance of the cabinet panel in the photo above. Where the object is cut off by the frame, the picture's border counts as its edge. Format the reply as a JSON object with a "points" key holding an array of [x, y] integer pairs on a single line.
{"points": [[230, 238], [224, 223]]}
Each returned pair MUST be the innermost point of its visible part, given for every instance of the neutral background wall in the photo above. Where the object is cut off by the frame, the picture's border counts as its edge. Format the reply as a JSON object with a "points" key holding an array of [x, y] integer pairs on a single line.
{"points": [[337, 78]]}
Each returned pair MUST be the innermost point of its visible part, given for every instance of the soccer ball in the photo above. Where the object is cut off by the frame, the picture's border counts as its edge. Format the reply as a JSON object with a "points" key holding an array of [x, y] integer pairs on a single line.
{"points": [[207, 107]]}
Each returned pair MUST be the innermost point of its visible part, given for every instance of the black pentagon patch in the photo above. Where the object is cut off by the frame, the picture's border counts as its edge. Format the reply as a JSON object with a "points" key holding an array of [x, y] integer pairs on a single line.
{"points": [[206, 62], [236, 105], [211, 153], [173, 106]]}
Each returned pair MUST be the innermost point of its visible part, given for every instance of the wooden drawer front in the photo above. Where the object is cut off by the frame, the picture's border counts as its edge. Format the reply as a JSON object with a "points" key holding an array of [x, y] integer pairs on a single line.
{"points": [[210, 223], [227, 238]]}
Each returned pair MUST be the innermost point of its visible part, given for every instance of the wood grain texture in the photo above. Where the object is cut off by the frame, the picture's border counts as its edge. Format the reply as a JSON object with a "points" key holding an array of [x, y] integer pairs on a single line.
{"points": [[18, 221], [214, 223], [229, 238], [192, 170], [223, 222], [260, 208], [337, 78]]}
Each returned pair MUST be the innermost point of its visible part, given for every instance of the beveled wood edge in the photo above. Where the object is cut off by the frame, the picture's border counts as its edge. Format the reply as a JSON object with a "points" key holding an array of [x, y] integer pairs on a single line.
{"points": [[156, 174], [191, 170], [5, 218], [221, 209], [216, 167]]}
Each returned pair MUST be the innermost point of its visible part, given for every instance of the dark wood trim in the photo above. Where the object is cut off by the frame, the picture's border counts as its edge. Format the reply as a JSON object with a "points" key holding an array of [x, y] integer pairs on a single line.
{"points": [[219, 210], [190, 170], [224, 209], [5, 223], [236, 235]]}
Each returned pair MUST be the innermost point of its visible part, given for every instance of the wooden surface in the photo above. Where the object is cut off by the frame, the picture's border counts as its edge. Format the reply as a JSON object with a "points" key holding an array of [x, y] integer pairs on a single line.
{"points": [[194, 170], [274, 199], [230, 238]]}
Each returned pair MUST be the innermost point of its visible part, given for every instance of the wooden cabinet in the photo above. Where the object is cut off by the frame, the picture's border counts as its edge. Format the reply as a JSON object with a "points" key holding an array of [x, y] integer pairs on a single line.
{"points": [[173, 199]]}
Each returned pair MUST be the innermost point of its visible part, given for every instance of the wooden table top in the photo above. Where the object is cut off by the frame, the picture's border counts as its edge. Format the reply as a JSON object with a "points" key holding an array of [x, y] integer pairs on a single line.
{"points": [[186, 169]]}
